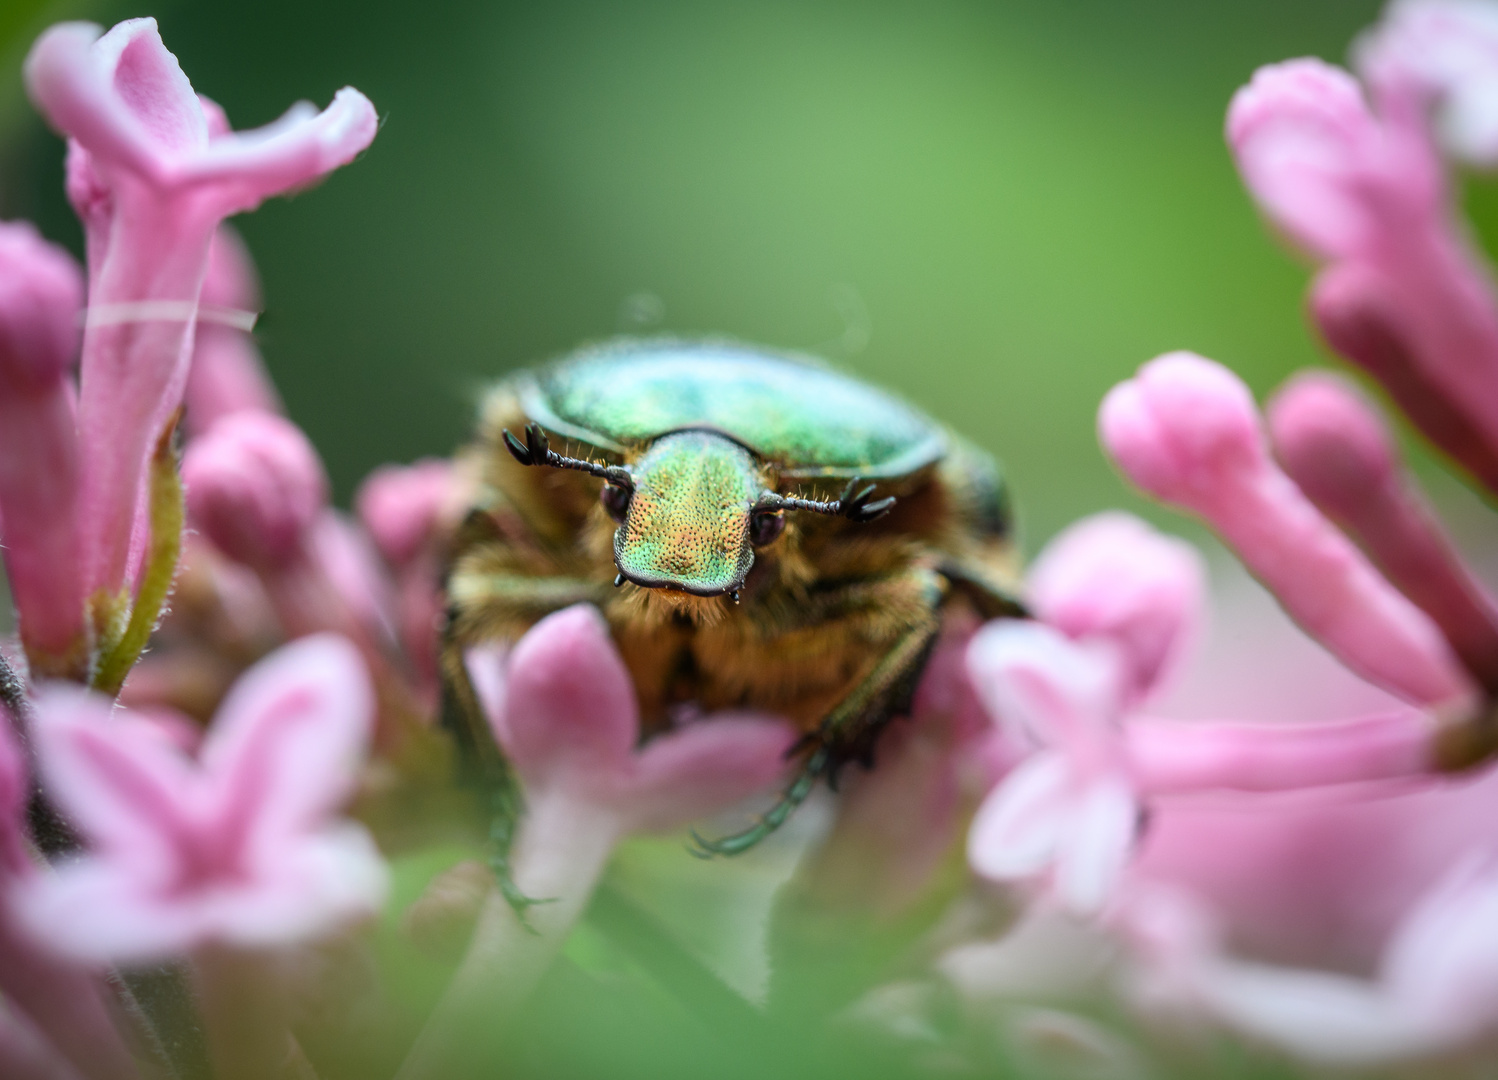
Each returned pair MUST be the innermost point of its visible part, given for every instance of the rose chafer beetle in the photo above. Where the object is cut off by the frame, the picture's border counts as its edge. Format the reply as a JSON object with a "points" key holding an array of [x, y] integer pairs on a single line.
{"points": [[758, 529]]}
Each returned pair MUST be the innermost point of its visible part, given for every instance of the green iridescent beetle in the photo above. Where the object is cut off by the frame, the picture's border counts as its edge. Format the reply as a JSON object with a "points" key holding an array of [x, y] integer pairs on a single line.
{"points": [[758, 529]]}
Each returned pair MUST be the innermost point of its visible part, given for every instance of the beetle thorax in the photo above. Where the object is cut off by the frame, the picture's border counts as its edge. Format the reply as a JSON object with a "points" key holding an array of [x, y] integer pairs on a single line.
{"points": [[687, 527]]}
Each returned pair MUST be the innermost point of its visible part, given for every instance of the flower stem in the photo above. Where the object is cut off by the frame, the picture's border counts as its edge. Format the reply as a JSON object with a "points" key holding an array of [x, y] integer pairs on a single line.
{"points": [[243, 1012], [561, 851]]}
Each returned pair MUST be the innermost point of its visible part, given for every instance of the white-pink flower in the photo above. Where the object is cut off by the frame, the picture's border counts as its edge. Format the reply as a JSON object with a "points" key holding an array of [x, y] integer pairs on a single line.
{"points": [[240, 847], [1068, 811]]}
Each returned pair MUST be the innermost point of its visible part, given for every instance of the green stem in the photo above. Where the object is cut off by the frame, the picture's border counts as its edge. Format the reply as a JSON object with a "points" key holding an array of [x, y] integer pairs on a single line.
{"points": [[160, 569]]}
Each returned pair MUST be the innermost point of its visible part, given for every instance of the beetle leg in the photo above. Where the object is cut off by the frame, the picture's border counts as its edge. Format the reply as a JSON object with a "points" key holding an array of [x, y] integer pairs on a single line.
{"points": [[849, 731], [992, 600]]}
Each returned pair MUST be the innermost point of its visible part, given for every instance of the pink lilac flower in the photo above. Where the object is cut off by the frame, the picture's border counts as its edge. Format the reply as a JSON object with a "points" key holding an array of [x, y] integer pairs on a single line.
{"points": [[563, 707], [152, 182], [56, 1012], [1442, 56], [41, 293], [1069, 807], [239, 847], [1361, 188], [1124, 601]]}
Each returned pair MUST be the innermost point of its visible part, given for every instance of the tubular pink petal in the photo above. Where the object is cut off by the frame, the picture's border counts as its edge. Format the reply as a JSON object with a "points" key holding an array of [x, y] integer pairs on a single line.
{"points": [[1033, 679], [120, 94], [1168, 757], [569, 705], [123, 788], [1022, 823], [1441, 967], [1113, 576], [1103, 823], [245, 168], [1318, 1016], [1190, 435], [1335, 447], [287, 741], [1352, 306], [255, 486], [705, 767]]}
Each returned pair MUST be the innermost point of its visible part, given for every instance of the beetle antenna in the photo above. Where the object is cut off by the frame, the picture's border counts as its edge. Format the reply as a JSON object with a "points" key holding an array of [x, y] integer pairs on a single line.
{"points": [[537, 451], [853, 503]]}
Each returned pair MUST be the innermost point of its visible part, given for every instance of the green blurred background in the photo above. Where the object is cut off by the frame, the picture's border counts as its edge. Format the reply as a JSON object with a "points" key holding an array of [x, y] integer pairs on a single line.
{"points": [[998, 208]]}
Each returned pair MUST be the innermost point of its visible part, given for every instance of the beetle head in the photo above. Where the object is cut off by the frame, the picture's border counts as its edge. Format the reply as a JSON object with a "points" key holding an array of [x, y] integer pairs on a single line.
{"points": [[687, 523]]}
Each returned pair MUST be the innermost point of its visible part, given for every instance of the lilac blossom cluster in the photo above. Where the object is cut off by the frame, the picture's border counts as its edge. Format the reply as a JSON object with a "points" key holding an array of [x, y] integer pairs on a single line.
{"points": [[1100, 888]]}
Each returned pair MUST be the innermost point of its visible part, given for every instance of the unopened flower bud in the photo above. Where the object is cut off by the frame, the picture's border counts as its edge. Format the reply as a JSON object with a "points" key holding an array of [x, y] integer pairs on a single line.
{"points": [[1186, 429], [41, 290], [255, 487], [1305, 143], [1335, 447], [1114, 577], [1354, 308], [400, 506]]}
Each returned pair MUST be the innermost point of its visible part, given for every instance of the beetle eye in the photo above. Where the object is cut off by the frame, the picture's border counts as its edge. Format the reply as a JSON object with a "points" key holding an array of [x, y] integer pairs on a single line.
{"points": [[765, 527], [615, 500]]}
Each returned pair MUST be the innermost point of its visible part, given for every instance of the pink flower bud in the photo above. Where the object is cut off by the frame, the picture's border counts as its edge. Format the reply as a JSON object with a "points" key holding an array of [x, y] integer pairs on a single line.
{"points": [[41, 291], [1335, 447], [255, 487], [1186, 430], [1368, 192], [1305, 141], [1363, 315], [1112, 576], [153, 182], [401, 506]]}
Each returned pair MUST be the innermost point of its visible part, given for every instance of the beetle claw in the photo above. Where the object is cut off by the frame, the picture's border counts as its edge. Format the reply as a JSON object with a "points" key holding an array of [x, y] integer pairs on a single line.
{"points": [[870, 511], [854, 503], [517, 449], [535, 440]]}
